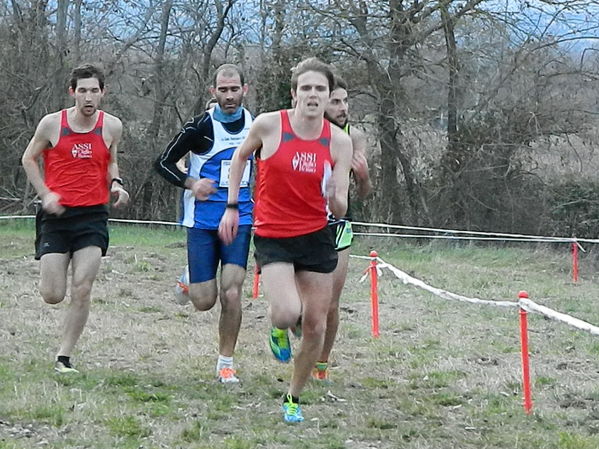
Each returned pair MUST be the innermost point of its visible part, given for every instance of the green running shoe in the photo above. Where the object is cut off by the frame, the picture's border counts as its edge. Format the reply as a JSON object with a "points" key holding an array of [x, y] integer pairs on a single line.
{"points": [[292, 412], [62, 368], [279, 344]]}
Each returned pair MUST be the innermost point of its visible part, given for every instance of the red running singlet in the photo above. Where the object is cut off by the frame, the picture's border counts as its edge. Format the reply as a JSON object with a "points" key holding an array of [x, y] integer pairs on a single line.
{"points": [[76, 167], [289, 199]]}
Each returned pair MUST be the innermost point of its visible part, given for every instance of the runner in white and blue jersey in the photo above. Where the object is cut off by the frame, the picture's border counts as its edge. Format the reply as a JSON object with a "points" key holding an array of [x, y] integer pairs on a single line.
{"points": [[210, 139]]}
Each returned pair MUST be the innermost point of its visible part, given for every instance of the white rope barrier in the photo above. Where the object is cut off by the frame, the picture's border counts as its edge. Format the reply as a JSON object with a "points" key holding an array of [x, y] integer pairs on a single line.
{"points": [[453, 237], [407, 279], [165, 223], [526, 304], [116, 220], [455, 231], [15, 217], [531, 306], [470, 235]]}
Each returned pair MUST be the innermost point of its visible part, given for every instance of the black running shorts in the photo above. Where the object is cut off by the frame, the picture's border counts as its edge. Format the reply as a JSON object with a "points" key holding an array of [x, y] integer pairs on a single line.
{"points": [[310, 252], [75, 229]]}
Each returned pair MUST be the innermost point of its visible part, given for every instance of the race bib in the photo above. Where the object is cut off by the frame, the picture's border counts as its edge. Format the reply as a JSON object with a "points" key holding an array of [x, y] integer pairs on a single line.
{"points": [[225, 167]]}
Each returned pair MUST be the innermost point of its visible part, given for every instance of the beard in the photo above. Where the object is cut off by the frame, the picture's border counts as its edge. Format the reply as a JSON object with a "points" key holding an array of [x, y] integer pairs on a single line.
{"points": [[340, 121]]}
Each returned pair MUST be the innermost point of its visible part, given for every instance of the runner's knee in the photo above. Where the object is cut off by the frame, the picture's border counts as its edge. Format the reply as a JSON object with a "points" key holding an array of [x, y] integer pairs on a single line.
{"points": [[202, 302], [52, 296], [313, 329], [230, 297], [284, 318], [81, 290]]}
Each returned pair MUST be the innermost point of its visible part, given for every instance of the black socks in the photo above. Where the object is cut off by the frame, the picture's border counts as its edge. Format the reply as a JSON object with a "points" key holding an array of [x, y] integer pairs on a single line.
{"points": [[66, 361]]}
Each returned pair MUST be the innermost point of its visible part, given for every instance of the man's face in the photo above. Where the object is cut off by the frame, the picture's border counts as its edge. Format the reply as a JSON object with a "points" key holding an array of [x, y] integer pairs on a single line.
{"points": [[337, 108], [228, 92], [87, 96], [312, 94]]}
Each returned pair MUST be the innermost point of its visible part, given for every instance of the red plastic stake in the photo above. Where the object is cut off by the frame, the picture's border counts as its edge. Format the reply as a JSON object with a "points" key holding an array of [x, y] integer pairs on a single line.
{"points": [[374, 295], [525, 361], [256, 286], [575, 261]]}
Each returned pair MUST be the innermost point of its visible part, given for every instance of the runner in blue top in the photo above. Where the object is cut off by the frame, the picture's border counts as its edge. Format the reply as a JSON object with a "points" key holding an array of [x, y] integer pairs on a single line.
{"points": [[211, 139]]}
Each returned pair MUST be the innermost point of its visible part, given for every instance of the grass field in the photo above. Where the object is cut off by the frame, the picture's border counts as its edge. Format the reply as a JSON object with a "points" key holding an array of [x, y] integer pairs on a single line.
{"points": [[442, 374]]}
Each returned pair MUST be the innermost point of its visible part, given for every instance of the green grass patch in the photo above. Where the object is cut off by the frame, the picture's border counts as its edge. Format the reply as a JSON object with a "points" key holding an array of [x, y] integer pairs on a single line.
{"points": [[127, 426]]}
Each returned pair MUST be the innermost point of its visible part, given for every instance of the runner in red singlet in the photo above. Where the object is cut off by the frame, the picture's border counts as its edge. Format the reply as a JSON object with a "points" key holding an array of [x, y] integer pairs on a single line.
{"points": [[303, 162], [79, 147]]}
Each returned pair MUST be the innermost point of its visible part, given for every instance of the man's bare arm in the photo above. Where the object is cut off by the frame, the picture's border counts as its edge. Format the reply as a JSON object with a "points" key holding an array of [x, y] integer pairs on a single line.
{"points": [[360, 163], [39, 142], [340, 176], [229, 222], [115, 128]]}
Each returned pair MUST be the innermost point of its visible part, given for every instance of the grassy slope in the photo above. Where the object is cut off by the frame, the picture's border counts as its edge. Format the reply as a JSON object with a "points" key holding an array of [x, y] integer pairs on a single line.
{"points": [[442, 375]]}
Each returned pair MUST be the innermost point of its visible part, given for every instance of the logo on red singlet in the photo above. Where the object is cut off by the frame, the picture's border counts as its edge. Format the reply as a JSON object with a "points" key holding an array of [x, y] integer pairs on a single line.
{"points": [[304, 162], [82, 151]]}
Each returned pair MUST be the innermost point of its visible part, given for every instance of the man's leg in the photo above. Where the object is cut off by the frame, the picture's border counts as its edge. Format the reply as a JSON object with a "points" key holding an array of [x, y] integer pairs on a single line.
{"points": [[86, 263], [339, 276], [53, 271], [315, 290], [284, 305], [202, 258], [280, 289], [232, 277]]}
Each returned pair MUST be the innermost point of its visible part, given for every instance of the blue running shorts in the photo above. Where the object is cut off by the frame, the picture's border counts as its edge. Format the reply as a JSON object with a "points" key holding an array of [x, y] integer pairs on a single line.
{"points": [[205, 250]]}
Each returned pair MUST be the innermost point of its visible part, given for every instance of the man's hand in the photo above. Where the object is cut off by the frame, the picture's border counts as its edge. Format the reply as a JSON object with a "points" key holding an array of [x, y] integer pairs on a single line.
{"points": [[229, 223], [359, 165], [121, 195], [203, 188], [51, 204]]}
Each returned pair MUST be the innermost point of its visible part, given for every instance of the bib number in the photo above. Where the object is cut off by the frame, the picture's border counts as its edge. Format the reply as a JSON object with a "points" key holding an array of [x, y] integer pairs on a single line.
{"points": [[225, 168]]}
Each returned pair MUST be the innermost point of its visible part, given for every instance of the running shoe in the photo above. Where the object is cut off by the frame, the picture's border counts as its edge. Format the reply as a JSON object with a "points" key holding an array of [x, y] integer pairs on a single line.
{"points": [[227, 376], [292, 412], [182, 288], [320, 372], [279, 344], [63, 368]]}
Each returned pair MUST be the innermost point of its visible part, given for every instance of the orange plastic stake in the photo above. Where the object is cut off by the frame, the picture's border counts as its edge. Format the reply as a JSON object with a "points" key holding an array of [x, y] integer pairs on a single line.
{"points": [[575, 261], [525, 361], [256, 286], [374, 295]]}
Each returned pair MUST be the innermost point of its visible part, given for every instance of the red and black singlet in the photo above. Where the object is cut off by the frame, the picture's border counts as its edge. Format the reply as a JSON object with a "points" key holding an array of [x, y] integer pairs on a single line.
{"points": [[290, 199], [76, 167]]}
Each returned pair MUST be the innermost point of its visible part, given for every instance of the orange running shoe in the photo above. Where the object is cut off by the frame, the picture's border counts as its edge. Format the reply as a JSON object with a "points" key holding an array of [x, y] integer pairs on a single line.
{"points": [[227, 376], [320, 372]]}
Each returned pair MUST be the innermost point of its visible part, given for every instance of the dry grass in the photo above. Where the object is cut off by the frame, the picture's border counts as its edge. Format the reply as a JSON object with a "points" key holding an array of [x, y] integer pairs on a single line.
{"points": [[442, 375]]}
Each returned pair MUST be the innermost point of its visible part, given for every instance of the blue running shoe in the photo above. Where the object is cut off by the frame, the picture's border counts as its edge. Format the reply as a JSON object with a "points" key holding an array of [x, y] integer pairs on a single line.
{"points": [[292, 412], [279, 344]]}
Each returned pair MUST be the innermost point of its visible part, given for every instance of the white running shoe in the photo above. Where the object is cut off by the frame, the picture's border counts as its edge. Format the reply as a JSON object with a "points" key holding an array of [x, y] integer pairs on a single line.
{"points": [[182, 288]]}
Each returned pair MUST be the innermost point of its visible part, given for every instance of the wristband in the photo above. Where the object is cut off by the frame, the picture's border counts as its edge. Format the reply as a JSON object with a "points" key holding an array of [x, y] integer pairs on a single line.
{"points": [[233, 206], [118, 181]]}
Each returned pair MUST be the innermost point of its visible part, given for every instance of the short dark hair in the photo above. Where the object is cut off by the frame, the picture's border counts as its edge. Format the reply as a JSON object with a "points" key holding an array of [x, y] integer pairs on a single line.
{"points": [[86, 71], [228, 70], [313, 65], [340, 83]]}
